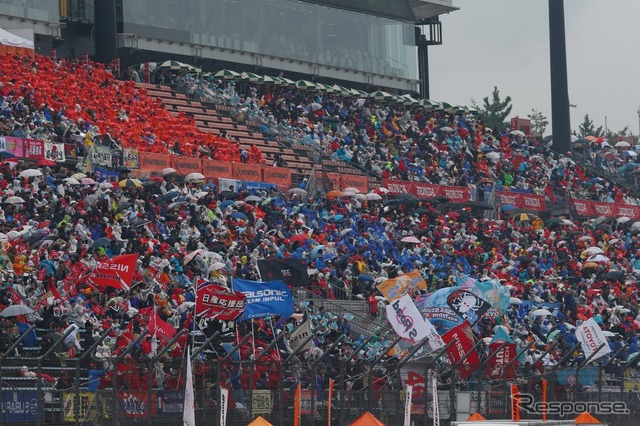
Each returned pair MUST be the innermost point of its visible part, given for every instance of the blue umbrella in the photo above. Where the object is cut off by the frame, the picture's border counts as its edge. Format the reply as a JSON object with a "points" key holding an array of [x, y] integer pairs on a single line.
{"points": [[365, 277], [314, 252], [170, 195], [338, 217], [238, 215], [329, 256], [507, 207], [225, 203]]}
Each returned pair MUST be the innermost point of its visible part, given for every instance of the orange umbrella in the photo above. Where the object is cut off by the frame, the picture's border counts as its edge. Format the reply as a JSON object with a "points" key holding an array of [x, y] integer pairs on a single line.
{"points": [[334, 193]]}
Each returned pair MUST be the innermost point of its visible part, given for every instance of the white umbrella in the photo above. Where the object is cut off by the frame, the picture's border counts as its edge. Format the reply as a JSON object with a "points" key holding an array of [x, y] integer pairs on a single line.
{"points": [[587, 238], [106, 185], [3, 236], [622, 144], [541, 312], [193, 176], [515, 301], [71, 181], [623, 219], [372, 196], [78, 176], [15, 310], [608, 333], [352, 190], [360, 197], [446, 129], [14, 200], [517, 133], [168, 171], [567, 222], [253, 198], [298, 191], [635, 226], [599, 258], [30, 173], [216, 266], [493, 155], [593, 250]]}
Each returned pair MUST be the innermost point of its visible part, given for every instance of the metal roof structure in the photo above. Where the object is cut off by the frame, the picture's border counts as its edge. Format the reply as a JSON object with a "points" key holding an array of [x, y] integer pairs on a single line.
{"points": [[399, 10]]}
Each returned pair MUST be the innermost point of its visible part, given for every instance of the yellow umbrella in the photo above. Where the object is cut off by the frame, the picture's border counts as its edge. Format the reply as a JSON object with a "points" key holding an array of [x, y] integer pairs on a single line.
{"points": [[130, 183]]}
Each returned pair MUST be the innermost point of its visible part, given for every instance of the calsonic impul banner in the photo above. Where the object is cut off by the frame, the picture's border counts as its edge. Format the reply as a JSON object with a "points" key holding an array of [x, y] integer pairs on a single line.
{"points": [[395, 288], [409, 324], [264, 299], [590, 336]]}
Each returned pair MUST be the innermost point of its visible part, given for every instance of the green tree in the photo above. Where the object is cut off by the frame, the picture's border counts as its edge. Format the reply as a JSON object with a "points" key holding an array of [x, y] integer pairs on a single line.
{"points": [[539, 123], [587, 128], [494, 112], [624, 134]]}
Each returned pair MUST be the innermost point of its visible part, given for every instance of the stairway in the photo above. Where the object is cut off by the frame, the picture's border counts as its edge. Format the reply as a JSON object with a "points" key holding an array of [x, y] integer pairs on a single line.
{"points": [[361, 322]]}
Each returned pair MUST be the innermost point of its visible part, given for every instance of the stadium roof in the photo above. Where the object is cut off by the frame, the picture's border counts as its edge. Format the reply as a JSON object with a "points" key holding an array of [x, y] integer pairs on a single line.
{"points": [[399, 10]]}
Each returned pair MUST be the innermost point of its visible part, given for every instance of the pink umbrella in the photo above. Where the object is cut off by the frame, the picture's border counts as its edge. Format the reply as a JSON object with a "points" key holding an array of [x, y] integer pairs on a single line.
{"points": [[410, 239], [189, 257], [88, 181]]}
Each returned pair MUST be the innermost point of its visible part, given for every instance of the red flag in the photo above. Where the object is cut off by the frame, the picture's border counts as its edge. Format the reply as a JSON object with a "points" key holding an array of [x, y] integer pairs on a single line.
{"points": [[496, 368], [156, 325], [219, 302], [116, 272], [463, 343], [126, 337]]}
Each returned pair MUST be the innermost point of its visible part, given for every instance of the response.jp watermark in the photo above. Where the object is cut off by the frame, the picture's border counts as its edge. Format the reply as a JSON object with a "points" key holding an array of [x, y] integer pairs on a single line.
{"points": [[565, 408]]}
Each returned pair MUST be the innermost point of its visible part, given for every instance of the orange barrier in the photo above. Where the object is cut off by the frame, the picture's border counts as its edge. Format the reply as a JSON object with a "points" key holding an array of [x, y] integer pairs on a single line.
{"points": [[217, 169], [247, 172], [185, 165], [154, 162]]}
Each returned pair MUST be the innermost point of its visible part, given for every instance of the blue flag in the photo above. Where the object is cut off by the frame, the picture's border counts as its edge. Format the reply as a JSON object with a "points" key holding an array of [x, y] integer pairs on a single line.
{"points": [[264, 299]]}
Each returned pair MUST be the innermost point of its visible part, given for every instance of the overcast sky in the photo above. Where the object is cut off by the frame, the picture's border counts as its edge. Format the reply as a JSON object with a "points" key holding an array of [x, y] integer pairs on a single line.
{"points": [[505, 43]]}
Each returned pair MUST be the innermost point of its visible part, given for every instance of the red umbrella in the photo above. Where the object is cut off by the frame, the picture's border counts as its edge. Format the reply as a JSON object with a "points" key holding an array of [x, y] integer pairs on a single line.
{"points": [[45, 163], [299, 237]]}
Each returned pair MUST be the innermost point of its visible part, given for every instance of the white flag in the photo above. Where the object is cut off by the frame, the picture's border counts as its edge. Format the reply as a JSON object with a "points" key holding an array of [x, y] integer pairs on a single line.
{"points": [[189, 416], [407, 406], [408, 323], [436, 404], [224, 403], [590, 336], [299, 335]]}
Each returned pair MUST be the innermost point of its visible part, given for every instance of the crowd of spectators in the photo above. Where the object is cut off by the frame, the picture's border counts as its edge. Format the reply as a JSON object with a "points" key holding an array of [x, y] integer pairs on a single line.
{"points": [[63, 228]]}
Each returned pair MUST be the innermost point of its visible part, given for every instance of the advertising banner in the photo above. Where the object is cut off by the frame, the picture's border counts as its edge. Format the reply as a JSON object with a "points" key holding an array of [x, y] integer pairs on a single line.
{"points": [[134, 404], [262, 402], [131, 158], [279, 176], [247, 172], [409, 324], [18, 406], [170, 402], [591, 336], [153, 162], [463, 340], [185, 165], [395, 288], [12, 145], [355, 181], [54, 152], [264, 299], [217, 169], [299, 335], [101, 156], [292, 272], [222, 303], [34, 149], [88, 406]]}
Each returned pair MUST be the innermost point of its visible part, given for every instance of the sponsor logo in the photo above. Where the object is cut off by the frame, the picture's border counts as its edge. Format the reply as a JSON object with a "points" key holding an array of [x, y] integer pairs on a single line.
{"points": [[113, 267], [565, 408], [405, 320]]}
